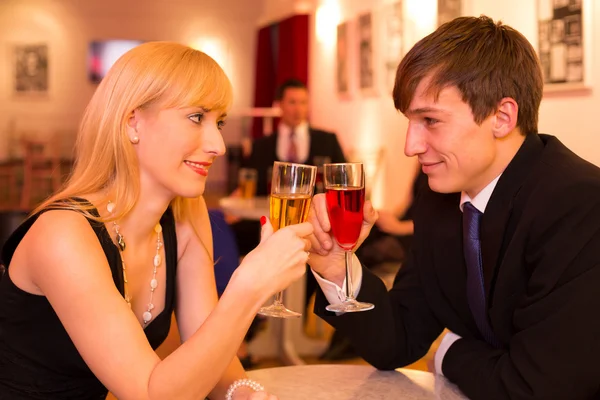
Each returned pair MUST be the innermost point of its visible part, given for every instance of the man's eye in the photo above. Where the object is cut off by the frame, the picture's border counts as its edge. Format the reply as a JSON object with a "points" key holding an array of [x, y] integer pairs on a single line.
{"points": [[430, 121]]}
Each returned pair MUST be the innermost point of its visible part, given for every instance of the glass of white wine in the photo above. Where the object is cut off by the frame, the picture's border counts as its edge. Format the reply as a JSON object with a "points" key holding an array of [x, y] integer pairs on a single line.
{"points": [[292, 187]]}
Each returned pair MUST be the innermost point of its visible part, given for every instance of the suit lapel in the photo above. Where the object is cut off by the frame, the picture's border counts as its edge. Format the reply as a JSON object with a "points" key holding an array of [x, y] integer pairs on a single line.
{"points": [[312, 150], [273, 146], [493, 226], [499, 208]]}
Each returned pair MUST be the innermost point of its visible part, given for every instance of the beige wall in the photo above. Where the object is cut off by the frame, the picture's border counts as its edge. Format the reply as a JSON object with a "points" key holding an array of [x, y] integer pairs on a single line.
{"points": [[570, 116], [277, 10], [67, 26], [366, 120]]}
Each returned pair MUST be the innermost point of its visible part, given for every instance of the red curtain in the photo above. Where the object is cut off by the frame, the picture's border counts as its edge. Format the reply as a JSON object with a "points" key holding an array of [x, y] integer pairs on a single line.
{"points": [[293, 49], [282, 53]]}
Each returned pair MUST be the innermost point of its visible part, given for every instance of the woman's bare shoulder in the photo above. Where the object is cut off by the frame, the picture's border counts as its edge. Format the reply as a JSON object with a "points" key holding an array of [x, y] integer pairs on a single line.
{"points": [[60, 227], [58, 237]]}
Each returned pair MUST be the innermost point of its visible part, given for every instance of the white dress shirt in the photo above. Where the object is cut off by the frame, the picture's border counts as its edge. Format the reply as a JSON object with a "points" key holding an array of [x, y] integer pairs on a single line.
{"points": [[335, 294], [480, 202], [302, 140]]}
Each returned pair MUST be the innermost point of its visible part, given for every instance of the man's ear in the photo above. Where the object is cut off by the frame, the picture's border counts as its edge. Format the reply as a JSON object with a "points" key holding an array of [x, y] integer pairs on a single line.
{"points": [[506, 117]]}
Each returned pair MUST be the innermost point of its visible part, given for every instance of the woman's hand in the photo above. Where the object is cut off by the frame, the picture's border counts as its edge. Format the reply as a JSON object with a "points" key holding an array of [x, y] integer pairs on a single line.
{"points": [[245, 393], [277, 261], [262, 396]]}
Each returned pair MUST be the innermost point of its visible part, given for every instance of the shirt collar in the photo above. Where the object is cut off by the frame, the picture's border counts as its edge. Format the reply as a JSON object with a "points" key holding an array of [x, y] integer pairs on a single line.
{"points": [[481, 200], [301, 130]]}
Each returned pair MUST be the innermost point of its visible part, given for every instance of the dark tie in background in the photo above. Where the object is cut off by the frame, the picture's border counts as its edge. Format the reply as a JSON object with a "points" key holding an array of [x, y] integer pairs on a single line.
{"points": [[475, 287], [292, 155]]}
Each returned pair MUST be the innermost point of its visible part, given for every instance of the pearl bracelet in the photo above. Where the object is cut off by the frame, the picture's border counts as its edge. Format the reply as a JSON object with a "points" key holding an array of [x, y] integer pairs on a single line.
{"points": [[257, 387]]}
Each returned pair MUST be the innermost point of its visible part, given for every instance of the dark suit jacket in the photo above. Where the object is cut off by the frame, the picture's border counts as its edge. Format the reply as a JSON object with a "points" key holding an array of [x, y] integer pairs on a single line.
{"points": [[541, 259], [264, 153]]}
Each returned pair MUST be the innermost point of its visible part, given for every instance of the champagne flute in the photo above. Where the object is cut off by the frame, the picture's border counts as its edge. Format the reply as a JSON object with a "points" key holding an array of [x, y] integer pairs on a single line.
{"points": [[292, 188], [345, 196]]}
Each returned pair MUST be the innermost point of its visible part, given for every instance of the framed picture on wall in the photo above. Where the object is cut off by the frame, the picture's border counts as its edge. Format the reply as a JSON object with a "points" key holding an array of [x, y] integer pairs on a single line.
{"points": [[394, 42], [366, 64], [564, 43], [448, 10], [342, 72], [30, 69]]}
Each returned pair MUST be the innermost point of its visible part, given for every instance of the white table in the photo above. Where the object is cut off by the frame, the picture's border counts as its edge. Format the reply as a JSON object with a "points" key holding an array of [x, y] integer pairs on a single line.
{"points": [[245, 208], [354, 382]]}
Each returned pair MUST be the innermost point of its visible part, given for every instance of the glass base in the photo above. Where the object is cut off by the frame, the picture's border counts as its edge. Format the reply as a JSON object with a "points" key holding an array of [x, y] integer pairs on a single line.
{"points": [[350, 306], [278, 310]]}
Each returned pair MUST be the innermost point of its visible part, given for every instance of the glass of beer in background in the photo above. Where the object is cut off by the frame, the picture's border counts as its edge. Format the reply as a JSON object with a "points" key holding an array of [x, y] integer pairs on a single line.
{"points": [[247, 182], [292, 187], [345, 196], [269, 177]]}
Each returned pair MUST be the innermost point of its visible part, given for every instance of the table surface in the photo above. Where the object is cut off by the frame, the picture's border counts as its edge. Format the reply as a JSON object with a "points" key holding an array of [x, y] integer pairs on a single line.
{"points": [[245, 208], [353, 382]]}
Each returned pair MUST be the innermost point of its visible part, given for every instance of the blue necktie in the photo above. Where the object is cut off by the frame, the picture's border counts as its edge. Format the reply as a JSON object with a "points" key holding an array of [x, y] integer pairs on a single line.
{"points": [[475, 287]]}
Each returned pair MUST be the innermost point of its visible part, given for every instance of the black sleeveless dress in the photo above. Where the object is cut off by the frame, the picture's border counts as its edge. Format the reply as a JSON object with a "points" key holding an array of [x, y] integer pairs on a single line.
{"points": [[38, 360]]}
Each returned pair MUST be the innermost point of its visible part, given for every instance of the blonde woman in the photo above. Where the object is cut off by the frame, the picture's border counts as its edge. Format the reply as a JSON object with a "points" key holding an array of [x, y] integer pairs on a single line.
{"points": [[93, 276]]}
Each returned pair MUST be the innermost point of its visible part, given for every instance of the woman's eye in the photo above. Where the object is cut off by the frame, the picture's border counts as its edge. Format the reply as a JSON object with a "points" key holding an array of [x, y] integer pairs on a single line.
{"points": [[197, 118], [221, 124]]}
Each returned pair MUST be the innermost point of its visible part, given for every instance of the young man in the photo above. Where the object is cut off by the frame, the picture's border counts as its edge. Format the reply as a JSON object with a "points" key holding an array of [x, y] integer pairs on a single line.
{"points": [[506, 253]]}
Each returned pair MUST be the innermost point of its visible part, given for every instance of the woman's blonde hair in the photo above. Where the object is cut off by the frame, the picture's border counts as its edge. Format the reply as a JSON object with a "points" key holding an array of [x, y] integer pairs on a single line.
{"points": [[163, 73]]}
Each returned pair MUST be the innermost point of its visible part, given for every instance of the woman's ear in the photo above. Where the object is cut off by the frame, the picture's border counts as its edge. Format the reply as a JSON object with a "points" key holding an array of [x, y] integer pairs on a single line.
{"points": [[506, 117], [132, 127]]}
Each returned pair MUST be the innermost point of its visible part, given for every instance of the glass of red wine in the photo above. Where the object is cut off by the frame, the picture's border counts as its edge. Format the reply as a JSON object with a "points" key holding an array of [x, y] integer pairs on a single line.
{"points": [[345, 195]]}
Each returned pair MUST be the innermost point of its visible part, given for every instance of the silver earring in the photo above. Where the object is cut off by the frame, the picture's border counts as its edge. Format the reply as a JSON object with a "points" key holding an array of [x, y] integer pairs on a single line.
{"points": [[135, 140]]}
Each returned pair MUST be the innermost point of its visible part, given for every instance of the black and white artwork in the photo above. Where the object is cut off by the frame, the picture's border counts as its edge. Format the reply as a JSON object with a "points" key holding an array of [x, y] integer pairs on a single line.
{"points": [[561, 41], [365, 52], [31, 68], [394, 46], [342, 59]]}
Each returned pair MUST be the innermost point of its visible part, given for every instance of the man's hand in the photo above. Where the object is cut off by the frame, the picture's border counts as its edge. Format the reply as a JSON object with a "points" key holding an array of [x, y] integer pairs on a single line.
{"points": [[327, 257]]}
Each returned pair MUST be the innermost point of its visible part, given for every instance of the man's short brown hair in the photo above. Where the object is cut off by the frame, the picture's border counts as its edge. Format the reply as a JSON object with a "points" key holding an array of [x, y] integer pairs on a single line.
{"points": [[486, 61]]}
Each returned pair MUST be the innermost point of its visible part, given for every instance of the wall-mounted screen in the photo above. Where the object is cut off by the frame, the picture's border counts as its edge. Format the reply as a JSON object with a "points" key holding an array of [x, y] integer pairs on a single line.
{"points": [[103, 54]]}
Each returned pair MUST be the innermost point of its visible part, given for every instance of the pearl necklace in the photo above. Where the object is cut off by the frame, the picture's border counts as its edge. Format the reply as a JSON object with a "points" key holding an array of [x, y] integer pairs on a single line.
{"points": [[147, 315]]}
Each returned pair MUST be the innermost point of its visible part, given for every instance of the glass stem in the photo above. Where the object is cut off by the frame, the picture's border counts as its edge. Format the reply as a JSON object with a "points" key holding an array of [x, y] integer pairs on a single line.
{"points": [[279, 298], [349, 289]]}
